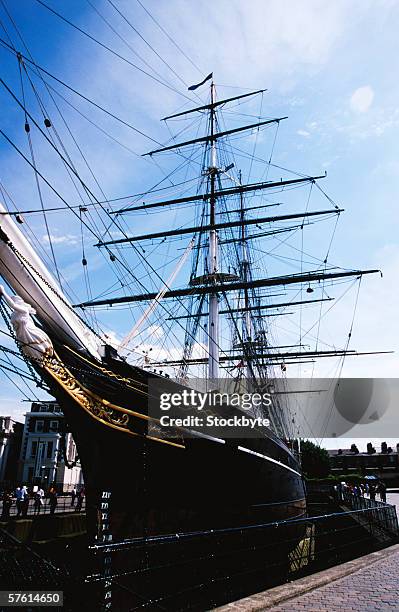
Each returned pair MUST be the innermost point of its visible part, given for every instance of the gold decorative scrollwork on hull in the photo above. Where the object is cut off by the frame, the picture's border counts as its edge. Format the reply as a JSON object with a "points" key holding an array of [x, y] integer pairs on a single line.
{"points": [[93, 404], [100, 409]]}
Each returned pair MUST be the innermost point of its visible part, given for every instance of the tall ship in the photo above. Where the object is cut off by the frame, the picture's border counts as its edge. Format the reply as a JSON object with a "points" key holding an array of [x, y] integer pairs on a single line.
{"points": [[192, 262]]}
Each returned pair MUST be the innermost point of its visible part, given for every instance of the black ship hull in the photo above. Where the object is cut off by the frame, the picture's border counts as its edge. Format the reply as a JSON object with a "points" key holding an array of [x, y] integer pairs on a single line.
{"points": [[161, 486]]}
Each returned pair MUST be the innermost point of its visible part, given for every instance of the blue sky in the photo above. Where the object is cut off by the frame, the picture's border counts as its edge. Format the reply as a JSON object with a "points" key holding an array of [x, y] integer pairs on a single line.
{"points": [[329, 66]]}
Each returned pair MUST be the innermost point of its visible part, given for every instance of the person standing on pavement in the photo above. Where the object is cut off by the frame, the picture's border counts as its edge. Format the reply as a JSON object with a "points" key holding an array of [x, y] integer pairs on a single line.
{"points": [[79, 503], [7, 503], [52, 500], [18, 495], [382, 490], [73, 496], [24, 501], [38, 500]]}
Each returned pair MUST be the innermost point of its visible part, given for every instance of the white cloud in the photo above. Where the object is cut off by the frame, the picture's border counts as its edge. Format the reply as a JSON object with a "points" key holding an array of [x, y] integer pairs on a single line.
{"points": [[377, 122], [303, 133], [68, 239], [361, 99]]}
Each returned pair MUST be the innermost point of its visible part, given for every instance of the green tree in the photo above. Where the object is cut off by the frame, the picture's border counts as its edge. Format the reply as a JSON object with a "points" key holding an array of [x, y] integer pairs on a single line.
{"points": [[315, 460]]}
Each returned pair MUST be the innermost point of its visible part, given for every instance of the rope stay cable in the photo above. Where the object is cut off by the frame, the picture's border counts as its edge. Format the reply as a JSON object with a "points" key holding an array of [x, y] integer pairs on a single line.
{"points": [[46, 121], [112, 51], [40, 69], [39, 191], [95, 9], [341, 361], [146, 42], [76, 92], [170, 38]]}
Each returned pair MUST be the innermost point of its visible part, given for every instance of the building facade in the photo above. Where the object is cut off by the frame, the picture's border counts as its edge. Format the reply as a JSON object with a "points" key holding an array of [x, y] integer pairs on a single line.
{"points": [[10, 448], [383, 464], [48, 452]]}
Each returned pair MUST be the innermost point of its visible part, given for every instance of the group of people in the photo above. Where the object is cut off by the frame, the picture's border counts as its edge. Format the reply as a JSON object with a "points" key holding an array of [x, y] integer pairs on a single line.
{"points": [[364, 489], [22, 498]]}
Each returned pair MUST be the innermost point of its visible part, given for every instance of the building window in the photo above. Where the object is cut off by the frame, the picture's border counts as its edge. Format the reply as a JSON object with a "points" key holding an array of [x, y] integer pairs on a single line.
{"points": [[33, 449], [53, 425], [39, 425], [49, 450]]}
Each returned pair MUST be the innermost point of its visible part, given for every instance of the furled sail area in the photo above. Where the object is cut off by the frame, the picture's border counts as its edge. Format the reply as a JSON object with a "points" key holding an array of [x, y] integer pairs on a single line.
{"points": [[29, 278]]}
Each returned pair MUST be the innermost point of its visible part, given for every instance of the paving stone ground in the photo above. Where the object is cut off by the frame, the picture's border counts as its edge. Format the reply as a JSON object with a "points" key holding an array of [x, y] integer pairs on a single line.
{"points": [[366, 584], [372, 588]]}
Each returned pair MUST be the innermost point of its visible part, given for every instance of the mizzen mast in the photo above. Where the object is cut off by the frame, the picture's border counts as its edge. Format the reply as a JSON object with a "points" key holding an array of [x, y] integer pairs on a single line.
{"points": [[213, 320]]}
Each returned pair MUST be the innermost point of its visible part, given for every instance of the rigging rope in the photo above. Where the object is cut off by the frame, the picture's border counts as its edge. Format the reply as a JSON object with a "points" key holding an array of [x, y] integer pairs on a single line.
{"points": [[39, 191], [92, 102], [170, 38], [104, 46], [123, 39], [147, 43]]}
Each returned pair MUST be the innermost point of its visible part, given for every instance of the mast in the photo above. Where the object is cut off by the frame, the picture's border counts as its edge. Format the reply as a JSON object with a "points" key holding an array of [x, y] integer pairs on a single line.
{"points": [[246, 316], [213, 319]]}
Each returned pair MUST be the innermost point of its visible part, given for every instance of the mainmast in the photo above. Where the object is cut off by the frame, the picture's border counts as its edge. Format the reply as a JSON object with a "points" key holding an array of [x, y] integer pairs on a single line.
{"points": [[213, 319]]}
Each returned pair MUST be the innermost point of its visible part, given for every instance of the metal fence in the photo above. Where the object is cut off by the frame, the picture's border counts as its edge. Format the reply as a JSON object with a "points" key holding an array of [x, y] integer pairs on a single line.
{"points": [[200, 570], [357, 502], [61, 488], [383, 515], [30, 508], [206, 569]]}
